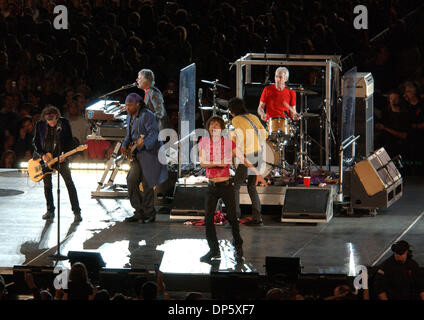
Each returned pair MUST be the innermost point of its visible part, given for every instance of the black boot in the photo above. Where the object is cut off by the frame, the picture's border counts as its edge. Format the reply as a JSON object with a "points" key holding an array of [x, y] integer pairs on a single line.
{"points": [[211, 255], [77, 217], [48, 215]]}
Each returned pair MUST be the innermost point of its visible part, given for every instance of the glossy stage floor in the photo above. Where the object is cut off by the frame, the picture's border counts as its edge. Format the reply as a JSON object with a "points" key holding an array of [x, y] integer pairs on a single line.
{"points": [[334, 247]]}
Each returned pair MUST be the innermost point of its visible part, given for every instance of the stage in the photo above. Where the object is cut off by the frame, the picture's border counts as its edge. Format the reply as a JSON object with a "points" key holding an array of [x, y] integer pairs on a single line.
{"points": [[335, 247]]}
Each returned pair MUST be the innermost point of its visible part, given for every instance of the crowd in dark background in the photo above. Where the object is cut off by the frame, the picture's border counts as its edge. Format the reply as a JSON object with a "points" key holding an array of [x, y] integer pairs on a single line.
{"points": [[108, 42]]}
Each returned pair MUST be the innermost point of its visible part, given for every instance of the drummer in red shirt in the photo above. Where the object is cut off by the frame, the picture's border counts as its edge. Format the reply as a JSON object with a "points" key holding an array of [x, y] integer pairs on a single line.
{"points": [[278, 99]]}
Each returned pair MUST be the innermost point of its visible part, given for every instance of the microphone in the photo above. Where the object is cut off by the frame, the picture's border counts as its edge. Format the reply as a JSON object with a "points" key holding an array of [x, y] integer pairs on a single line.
{"points": [[200, 95], [131, 85]]}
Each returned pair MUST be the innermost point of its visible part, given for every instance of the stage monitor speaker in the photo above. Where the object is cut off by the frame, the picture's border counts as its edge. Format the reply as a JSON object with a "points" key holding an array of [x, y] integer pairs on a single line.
{"points": [[93, 261], [282, 268], [125, 281], [364, 126], [377, 172], [235, 285], [43, 278], [307, 205], [189, 202], [251, 94], [319, 286]]}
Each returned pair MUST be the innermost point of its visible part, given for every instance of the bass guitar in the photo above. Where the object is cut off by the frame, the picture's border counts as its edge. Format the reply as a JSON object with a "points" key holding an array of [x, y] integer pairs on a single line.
{"points": [[130, 154]]}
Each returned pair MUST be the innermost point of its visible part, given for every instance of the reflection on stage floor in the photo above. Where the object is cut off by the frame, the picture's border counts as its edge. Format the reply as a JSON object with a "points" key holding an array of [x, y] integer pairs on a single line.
{"points": [[334, 247]]}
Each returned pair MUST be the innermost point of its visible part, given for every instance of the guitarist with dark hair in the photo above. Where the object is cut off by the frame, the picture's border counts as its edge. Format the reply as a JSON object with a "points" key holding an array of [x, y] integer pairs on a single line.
{"points": [[53, 133], [146, 170]]}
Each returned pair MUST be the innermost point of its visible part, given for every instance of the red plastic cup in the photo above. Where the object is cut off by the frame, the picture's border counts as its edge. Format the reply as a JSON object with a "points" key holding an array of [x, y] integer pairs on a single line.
{"points": [[307, 181]]}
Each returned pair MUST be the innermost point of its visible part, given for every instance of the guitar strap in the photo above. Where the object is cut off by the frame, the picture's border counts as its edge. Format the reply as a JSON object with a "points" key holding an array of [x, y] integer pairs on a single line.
{"points": [[257, 133], [252, 124], [57, 135]]}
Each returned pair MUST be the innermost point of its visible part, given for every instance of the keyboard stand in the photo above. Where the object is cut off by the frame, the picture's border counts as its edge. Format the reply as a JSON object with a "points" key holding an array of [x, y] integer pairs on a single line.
{"points": [[111, 190]]}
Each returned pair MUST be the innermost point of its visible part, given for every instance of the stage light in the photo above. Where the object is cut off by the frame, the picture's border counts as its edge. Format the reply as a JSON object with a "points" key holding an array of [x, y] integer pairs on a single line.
{"points": [[23, 165], [82, 166], [92, 166]]}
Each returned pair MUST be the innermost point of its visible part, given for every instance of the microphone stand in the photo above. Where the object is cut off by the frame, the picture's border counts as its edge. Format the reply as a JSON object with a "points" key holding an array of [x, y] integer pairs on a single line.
{"points": [[114, 91], [328, 122], [267, 82], [58, 256], [200, 96]]}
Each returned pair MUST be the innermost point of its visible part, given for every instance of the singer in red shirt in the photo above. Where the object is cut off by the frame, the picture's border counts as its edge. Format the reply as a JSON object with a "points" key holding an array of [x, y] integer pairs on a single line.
{"points": [[277, 99]]}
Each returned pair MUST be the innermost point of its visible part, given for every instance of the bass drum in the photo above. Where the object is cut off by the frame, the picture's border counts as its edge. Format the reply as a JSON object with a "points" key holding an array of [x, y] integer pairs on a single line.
{"points": [[271, 158]]}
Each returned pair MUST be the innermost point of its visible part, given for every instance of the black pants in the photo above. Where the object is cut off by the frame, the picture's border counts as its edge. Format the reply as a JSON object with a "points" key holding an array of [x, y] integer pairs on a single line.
{"points": [[65, 172], [224, 190], [239, 178], [142, 202]]}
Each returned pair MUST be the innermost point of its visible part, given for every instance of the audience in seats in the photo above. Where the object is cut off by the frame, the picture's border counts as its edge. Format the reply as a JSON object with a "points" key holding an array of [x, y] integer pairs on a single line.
{"points": [[393, 127], [79, 285], [39, 68], [399, 277], [79, 125]]}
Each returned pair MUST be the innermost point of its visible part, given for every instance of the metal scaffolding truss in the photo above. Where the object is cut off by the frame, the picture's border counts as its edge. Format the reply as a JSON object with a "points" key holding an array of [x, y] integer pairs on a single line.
{"points": [[332, 66]]}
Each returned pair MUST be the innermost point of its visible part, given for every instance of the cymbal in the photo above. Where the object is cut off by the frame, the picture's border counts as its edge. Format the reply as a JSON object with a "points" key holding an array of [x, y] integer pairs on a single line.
{"points": [[309, 115], [213, 83], [302, 90], [206, 108], [214, 108], [222, 102]]}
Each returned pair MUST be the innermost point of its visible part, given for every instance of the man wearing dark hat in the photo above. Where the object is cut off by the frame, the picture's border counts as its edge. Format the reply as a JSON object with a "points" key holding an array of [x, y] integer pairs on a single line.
{"points": [[147, 171], [53, 135], [399, 277]]}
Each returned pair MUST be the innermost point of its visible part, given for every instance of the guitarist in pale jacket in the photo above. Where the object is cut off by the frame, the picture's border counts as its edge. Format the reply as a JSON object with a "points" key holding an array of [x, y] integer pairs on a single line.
{"points": [[53, 132], [146, 171], [248, 134]]}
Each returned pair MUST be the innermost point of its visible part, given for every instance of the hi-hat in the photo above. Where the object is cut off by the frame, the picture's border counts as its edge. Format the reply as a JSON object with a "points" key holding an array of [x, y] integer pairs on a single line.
{"points": [[207, 108], [222, 102], [309, 115], [302, 90], [213, 83]]}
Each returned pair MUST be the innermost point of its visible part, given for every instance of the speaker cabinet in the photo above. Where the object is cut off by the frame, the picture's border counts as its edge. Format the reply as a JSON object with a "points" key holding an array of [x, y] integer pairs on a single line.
{"points": [[43, 277], [364, 126], [374, 183], [319, 285], [377, 172], [282, 268], [308, 205], [189, 202], [235, 285], [93, 261]]}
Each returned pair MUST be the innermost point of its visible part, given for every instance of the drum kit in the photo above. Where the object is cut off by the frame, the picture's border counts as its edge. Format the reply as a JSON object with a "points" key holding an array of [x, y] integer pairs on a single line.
{"points": [[283, 132], [224, 113]]}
